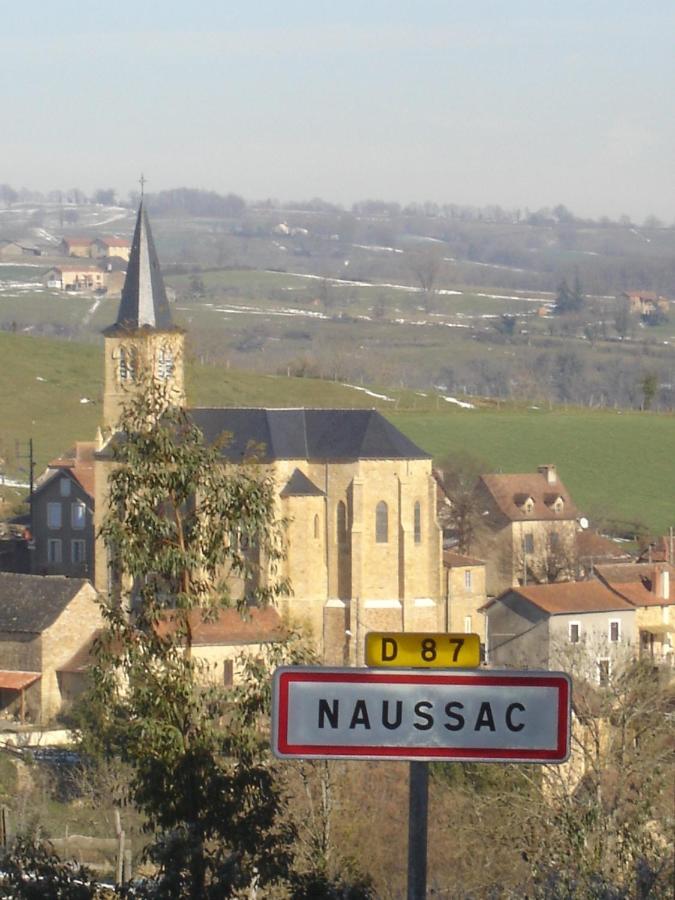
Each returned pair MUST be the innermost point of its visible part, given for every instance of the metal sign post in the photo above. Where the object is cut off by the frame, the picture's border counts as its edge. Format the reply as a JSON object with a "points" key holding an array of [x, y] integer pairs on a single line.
{"points": [[418, 825]]}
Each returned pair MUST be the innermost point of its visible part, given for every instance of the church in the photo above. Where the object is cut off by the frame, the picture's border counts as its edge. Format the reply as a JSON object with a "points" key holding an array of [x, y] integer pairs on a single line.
{"points": [[363, 545]]}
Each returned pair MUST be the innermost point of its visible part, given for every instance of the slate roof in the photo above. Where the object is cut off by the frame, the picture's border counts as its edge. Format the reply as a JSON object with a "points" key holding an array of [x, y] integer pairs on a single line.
{"points": [[568, 597], [144, 303], [31, 603], [299, 485], [316, 434], [508, 491]]}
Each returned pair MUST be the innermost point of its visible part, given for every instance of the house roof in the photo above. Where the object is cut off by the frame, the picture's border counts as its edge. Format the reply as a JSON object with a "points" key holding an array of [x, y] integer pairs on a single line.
{"points": [[591, 545], [80, 241], [144, 303], [658, 551], [317, 434], [262, 625], [17, 681], [299, 485], [637, 582], [78, 462], [112, 241], [453, 560], [510, 491], [31, 603], [563, 598]]}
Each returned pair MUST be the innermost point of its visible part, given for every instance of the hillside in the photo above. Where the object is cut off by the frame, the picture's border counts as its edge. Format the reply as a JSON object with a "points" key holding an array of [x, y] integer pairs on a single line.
{"points": [[617, 464]]}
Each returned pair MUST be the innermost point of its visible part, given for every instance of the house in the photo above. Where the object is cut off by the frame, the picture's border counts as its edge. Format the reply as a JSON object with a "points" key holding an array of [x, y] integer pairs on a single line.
{"points": [[593, 548], [582, 626], [108, 247], [63, 515], [83, 277], [219, 643], [464, 592], [363, 543], [527, 532], [646, 303], [17, 249], [649, 588], [44, 621], [75, 246]]}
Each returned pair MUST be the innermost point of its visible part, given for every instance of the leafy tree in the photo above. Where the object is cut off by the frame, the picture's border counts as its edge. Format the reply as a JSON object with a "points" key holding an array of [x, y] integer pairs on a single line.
{"points": [[32, 871], [649, 385], [623, 321], [181, 529]]}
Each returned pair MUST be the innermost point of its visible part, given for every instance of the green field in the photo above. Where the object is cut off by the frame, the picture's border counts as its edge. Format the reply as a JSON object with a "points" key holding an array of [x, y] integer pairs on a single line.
{"points": [[616, 464]]}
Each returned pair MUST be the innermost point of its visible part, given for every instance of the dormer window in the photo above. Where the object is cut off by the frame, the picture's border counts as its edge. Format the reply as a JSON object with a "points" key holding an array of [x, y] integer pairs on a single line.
{"points": [[524, 502], [554, 502]]}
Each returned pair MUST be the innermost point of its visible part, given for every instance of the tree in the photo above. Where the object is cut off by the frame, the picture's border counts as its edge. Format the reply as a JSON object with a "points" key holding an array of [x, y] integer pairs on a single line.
{"points": [[425, 264], [181, 529], [569, 300], [105, 196], [623, 320], [8, 195], [649, 385], [460, 474]]}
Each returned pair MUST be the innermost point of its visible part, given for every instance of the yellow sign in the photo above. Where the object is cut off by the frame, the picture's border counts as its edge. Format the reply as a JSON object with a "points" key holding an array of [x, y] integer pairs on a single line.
{"points": [[422, 650]]}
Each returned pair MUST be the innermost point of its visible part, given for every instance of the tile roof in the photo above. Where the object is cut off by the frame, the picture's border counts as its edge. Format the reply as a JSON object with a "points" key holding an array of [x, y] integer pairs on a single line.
{"points": [[452, 560], [17, 681], [79, 462], [509, 491], [230, 628], [317, 434], [113, 241], [31, 603], [591, 545], [568, 597]]}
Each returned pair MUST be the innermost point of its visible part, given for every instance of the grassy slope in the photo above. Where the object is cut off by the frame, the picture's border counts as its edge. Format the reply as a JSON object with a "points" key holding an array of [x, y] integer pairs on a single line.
{"points": [[615, 463]]}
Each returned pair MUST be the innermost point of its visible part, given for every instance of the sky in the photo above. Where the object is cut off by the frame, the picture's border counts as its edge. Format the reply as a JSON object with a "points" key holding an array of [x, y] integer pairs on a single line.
{"points": [[525, 103]]}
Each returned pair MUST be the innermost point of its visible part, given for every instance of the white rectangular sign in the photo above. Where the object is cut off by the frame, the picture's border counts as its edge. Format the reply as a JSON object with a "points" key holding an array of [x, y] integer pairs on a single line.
{"points": [[484, 715]]}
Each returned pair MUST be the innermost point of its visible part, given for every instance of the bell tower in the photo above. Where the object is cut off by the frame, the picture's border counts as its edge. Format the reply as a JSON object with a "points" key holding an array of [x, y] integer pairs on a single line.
{"points": [[143, 342]]}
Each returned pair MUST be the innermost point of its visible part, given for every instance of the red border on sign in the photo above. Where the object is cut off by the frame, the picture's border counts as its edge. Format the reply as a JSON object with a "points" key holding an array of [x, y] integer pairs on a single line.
{"points": [[559, 753]]}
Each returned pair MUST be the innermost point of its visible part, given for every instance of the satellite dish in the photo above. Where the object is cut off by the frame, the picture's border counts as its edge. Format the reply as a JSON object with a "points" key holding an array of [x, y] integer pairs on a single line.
{"points": [[583, 522]]}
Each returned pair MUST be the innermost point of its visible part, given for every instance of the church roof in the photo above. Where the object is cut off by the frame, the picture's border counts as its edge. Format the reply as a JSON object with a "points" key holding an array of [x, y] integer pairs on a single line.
{"points": [[144, 303], [317, 434], [299, 485]]}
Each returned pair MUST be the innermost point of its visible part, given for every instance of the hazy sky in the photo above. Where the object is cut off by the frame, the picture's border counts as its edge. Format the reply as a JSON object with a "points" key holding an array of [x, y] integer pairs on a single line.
{"points": [[516, 102]]}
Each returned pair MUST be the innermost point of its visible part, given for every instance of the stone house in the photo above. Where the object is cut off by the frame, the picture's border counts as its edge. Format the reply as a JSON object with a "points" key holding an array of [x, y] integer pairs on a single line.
{"points": [[464, 592], [581, 626], [646, 303], [527, 530], [75, 246], [363, 543], [107, 247], [44, 621], [63, 515], [218, 644], [648, 587], [17, 249]]}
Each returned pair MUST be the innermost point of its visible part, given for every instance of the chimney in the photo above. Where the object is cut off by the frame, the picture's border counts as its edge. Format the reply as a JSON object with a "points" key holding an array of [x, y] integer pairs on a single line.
{"points": [[661, 582], [549, 473]]}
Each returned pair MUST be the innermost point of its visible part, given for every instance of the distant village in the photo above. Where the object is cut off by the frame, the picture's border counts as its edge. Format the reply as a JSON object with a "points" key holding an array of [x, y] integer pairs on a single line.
{"points": [[374, 540]]}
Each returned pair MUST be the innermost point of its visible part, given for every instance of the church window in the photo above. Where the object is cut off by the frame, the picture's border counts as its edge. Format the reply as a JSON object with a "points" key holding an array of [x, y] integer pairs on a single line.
{"points": [[418, 523], [316, 528], [165, 363], [342, 522], [381, 523], [128, 363]]}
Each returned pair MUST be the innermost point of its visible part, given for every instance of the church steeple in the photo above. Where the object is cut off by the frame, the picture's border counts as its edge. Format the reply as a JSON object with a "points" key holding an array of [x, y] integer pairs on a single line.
{"points": [[143, 341], [144, 303]]}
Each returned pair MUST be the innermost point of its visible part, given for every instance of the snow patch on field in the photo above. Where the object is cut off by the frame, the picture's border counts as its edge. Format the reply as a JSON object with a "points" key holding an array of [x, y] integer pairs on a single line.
{"points": [[355, 387], [460, 403]]}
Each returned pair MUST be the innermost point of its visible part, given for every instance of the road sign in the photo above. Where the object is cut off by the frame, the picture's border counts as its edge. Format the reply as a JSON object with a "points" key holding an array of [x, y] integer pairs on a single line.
{"points": [[422, 650], [474, 716]]}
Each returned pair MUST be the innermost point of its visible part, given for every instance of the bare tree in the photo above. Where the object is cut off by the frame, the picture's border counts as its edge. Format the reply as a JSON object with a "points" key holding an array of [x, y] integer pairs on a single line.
{"points": [[425, 264]]}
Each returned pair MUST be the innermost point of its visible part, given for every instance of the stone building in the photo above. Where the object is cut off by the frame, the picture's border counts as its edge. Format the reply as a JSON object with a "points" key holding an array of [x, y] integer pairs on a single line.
{"points": [[363, 543], [44, 622]]}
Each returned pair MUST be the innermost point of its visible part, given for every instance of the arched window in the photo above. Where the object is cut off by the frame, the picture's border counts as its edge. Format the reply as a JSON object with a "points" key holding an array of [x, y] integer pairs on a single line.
{"points": [[165, 363], [417, 523], [316, 528], [341, 522], [381, 523], [128, 363]]}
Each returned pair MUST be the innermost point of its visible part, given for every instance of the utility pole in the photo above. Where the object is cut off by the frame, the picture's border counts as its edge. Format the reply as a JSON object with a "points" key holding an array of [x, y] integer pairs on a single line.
{"points": [[28, 454]]}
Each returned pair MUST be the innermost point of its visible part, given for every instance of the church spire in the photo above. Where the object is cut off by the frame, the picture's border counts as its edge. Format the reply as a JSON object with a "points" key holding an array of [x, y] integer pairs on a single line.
{"points": [[144, 303]]}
